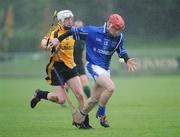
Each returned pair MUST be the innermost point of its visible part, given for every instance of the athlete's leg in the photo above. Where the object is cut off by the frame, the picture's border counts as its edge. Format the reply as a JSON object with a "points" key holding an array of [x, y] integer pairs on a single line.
{"points": [[101, 92], [76, 87], [105, 82], [84, 81], [58, 96], [93, 100]]}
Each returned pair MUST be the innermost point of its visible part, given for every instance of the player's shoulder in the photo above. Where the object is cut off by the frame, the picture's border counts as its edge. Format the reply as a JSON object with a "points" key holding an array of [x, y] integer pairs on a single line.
{"points": [[90, 27], [95, 28], [55, 28]]}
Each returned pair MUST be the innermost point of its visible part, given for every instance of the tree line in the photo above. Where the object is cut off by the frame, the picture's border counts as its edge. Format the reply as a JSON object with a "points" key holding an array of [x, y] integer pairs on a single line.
{"points": [[24, 22]]}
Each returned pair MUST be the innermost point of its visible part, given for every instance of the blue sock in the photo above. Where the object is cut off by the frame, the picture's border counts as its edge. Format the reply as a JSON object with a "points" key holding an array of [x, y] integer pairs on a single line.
{"points": [[101, 111]]}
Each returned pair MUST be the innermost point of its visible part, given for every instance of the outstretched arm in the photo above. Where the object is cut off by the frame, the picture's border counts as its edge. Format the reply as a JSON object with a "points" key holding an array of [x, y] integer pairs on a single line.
{"points": [[123, 54], [78, 34], [131, 64], [56, 41]]}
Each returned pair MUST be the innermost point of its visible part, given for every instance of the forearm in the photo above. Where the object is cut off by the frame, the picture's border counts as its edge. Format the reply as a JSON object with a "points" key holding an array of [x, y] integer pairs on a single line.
{"points": [[125, 57], [65, 35]]}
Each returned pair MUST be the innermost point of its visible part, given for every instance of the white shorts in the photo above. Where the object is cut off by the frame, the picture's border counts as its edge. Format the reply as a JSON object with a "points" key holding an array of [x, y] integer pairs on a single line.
{"points": [[94, 71]]}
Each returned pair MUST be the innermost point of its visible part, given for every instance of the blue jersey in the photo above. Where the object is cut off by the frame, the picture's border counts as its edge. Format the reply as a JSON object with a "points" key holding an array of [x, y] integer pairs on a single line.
{"points": [[99, 45]]}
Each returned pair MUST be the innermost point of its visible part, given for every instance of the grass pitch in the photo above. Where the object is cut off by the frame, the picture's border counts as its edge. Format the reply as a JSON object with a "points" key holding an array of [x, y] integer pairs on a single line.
{"points": [[140, 107]]}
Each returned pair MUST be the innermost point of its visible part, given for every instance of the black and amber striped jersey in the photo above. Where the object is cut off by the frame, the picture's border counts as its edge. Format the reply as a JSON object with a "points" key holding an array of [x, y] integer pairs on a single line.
{"points": [[66, 47]]}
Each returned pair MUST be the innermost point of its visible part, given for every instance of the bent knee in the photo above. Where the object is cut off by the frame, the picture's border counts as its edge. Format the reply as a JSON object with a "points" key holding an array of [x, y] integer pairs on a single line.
{"points": [[61, 100], [111, 88]]}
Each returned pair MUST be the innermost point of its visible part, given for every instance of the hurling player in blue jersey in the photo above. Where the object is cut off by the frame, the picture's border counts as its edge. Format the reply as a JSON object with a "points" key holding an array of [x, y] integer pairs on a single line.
{"points": [[101, 43]]}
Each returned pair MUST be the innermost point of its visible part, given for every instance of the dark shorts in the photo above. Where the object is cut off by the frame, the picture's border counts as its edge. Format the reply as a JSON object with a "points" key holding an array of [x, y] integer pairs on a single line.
{"points": [[58, 73], [81, 69]]}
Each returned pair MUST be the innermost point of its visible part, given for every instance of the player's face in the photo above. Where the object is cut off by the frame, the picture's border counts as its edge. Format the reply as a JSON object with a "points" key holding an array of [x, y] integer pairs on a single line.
{"points": [[68, 22], [113, 31]]}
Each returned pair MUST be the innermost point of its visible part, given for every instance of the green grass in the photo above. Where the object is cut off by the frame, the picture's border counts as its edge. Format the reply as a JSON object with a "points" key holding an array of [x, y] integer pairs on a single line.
{"points": [[140, 107]]}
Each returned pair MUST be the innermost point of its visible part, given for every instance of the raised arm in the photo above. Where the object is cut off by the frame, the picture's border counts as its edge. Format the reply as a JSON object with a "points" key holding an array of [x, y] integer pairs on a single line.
{"points": [[56, 41], [77, 33]]}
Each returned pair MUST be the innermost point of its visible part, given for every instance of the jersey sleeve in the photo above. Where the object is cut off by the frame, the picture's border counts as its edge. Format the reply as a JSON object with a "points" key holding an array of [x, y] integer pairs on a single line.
{"points": [[122, 53], [121, 50], [80, 33]]}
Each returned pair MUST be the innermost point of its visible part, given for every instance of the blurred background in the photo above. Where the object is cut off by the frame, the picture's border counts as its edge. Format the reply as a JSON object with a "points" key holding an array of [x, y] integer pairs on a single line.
{"points": [[152, 33]]}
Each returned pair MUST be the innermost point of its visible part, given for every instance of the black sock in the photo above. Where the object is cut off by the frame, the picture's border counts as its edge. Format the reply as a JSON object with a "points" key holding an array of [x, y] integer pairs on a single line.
{"points": [[86, 119], [43, 94]]}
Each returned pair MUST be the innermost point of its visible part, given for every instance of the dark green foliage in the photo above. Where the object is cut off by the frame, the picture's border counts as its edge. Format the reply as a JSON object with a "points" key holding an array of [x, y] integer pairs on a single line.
{"points": [[148, 19]]}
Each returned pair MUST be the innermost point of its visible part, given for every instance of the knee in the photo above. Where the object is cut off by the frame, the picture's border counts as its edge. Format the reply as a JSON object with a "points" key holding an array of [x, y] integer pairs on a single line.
{"points": [[111, 88], [61, 100], [79, 96]]}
